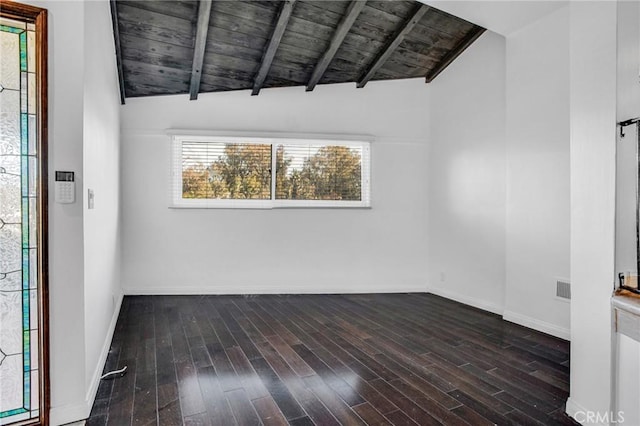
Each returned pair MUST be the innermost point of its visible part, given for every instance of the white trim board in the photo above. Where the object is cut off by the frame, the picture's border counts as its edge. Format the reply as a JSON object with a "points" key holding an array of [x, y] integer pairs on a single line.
{"points": [[69, 413], [536, 324], [95, 379], [485, 305], [77, 412], [526, 321], [265, 289], [573, 409]]}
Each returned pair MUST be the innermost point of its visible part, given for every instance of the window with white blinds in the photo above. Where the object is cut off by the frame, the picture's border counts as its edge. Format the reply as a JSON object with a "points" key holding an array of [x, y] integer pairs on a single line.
{"points": [[237, 172]]}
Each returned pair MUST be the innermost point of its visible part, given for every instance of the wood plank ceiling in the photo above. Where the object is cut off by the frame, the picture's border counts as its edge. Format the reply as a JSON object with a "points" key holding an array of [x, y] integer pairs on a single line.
{"points": [[186, 46]]}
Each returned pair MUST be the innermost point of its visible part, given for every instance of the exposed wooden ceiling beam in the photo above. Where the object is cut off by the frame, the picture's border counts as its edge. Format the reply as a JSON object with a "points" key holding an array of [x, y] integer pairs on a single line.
{"points": [[395, 41], [354, 9], [274, 42], [455, 52], [204, 13], [116, 39]]}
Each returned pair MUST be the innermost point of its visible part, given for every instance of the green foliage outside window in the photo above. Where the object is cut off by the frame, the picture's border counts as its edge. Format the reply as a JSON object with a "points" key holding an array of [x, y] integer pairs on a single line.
{"points": [[243, 171]]}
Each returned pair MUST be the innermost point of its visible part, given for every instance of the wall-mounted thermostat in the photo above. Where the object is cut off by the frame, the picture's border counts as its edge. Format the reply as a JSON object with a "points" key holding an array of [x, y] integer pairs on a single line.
{"points": [[65, 187]]}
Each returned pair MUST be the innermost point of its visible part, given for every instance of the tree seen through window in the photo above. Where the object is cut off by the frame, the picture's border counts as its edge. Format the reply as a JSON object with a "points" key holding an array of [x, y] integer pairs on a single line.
{"points": [[216, 170]]}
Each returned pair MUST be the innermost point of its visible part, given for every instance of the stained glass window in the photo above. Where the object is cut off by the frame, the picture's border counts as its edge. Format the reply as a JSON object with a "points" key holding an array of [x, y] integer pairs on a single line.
{"points": [[19, 363]]}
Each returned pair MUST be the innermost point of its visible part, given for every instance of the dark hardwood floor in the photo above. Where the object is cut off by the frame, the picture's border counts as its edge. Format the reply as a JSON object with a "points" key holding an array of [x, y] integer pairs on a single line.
{"points": [[399, 359]]}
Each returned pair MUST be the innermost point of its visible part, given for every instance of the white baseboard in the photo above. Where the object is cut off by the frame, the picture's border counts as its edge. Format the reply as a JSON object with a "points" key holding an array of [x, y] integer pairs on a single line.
{"points": [[572, 408], [578, 413], [262, 289], [78, 412], [485, 305], [536, 324], [97, 373], [69, 413], [529, 322]]}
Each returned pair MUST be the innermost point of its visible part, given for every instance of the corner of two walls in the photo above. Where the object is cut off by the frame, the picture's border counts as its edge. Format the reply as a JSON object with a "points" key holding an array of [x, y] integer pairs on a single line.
{"points": [[84, 275], [66, 245], [83, 245], [499, 176], [538, 190], [101, 174], [466, 181], [593, 44]]}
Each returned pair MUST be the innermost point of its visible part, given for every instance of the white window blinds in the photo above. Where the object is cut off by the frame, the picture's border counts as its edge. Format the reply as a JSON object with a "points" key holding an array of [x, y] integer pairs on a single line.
{"points": [[235, 172]]}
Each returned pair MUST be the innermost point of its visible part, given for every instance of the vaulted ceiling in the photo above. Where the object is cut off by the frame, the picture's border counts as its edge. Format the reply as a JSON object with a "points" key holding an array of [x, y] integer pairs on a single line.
{"points": [[186, 46]]}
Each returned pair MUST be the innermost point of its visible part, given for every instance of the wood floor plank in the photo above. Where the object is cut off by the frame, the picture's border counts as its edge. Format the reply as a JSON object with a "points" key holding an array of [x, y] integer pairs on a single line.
{"points": [[525, 395], [227, 377], [471, 417], [302, 421], [337, 406], [398, 418], [121, 402], [378, 359], [291, 357], [189, 390], [370, 415], [444, 415], [486, 411], [552, 380], [279, 392], [246, 374], [339, 385], [276, 326], [408, 407], [305, 397], [169, 412], [241, 407], [268, 411], [215, 403], [199, 419], [419, 383], [144, 398], [168, 403], [524, 408], [348, 359]]}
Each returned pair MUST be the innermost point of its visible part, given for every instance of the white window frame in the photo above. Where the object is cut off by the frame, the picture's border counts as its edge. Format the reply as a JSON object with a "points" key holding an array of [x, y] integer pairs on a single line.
{"points": [[176, 200]]}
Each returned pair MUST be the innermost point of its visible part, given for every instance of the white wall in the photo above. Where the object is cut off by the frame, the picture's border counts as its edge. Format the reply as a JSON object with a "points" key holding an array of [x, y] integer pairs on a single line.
{"points": [[501, 17], [283, 250], [101, 169], [592, 38], [466, 177], [77, 253], [66, 265], [537, 202], [499, 175]]}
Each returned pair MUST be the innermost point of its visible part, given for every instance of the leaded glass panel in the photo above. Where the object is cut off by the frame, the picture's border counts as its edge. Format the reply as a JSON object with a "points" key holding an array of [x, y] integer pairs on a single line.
{"points": [[19, 287], [9, 67]]}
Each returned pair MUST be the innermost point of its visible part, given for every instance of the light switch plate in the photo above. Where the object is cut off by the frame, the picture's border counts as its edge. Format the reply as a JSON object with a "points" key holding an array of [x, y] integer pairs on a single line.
{"points": [[90, 199]]}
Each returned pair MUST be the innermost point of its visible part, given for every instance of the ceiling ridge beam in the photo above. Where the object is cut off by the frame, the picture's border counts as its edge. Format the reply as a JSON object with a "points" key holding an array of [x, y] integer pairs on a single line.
{"points": [[353, 10], [204, 15], [447, 59], [116, 39], [274, 42], [394, 42]]}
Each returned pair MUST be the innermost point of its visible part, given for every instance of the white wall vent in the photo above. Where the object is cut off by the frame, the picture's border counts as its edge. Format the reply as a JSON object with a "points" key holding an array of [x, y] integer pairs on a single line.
{"points": [[563, 289]]}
